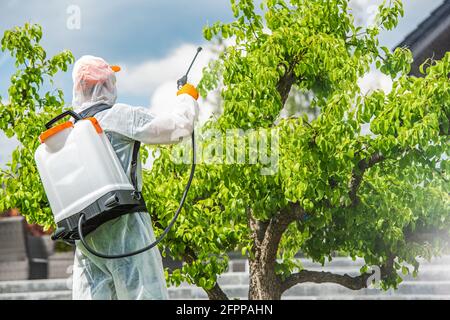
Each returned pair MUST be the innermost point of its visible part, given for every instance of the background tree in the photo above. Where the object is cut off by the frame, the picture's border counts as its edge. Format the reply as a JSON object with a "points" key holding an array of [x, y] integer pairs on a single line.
{"points": [[32, 101], [382, 195]]}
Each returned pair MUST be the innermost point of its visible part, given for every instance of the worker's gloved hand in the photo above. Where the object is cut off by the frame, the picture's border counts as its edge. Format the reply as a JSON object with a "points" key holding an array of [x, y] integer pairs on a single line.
{"points": [[188, 89]]}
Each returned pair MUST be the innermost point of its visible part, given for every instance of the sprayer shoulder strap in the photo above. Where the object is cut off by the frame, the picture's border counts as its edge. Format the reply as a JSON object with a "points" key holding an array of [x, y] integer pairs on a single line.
{"points": [[97, 108], [134, 163], [93, 110]]}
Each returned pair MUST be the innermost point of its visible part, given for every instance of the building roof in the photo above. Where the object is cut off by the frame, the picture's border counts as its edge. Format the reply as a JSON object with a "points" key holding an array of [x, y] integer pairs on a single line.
{"points": [[431, 39]]}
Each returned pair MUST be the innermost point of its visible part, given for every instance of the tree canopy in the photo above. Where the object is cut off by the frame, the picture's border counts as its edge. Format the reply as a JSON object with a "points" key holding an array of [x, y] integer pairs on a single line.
{"points": [[32, 101], [367, 178]]}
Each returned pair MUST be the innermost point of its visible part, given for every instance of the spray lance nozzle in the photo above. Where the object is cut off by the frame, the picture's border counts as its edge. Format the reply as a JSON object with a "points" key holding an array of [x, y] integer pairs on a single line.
{"points": [[183, 80]]}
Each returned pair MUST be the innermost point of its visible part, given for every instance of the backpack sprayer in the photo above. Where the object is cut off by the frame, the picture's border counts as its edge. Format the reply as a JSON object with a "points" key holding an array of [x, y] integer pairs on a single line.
{"points": [[85, 192]]}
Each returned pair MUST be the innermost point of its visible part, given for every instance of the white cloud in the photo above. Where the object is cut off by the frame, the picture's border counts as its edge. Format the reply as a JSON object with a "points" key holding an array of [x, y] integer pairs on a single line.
{"points": [[158, 79], [375, 80], [365, 11], [144, 78], [164, 88]]}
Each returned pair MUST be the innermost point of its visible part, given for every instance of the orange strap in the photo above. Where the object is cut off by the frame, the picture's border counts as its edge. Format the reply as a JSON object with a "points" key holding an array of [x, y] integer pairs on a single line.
{"points": [[56, 129], [96, 124], [188, 89], [52, 131]]}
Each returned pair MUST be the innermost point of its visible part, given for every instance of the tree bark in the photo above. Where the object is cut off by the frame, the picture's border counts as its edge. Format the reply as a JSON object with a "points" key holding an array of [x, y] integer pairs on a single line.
{"points": [[285, 84], [358, 174], [265, 284], [353, 283], [216, 293]]}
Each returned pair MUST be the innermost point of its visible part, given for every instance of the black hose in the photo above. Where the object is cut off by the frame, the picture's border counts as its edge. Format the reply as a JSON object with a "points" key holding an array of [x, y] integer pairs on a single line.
{"points": [[150, 246]]}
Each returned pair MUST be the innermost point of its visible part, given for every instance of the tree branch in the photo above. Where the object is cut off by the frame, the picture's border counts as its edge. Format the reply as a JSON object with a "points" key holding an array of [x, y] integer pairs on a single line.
{"points": [[286, 81], [358, 174], [216, 293], [353, 283], [285, 84], [276, 227], [7, 173], [257, 227], [444, 130]]}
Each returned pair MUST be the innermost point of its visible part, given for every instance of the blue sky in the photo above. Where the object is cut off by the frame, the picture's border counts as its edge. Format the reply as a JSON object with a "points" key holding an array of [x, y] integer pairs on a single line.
{"points": [[127, 31], [147, 38]]}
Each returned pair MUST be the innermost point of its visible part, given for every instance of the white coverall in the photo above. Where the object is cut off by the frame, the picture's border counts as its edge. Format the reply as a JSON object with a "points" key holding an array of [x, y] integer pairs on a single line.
{"points": [[140, 276]]}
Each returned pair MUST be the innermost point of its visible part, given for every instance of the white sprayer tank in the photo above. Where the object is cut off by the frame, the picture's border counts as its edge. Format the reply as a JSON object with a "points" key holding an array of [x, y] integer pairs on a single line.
{"points": [[78, 165]]}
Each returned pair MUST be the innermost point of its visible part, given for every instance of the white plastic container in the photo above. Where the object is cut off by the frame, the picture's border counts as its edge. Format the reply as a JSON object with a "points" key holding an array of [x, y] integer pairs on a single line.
{"points": [[78, 165]]}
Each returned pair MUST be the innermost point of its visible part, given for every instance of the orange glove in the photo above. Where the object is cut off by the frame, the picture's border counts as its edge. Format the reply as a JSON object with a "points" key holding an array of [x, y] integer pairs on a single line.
{"points": [[188, 89]]}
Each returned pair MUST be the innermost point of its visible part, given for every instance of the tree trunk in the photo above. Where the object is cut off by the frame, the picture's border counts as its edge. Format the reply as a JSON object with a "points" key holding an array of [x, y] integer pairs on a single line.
{"points": [[263, 280], [264, 283]]}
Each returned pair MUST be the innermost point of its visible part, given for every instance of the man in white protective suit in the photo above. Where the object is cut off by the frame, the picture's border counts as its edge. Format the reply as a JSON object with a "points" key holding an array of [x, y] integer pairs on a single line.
{"points": [[140, 276]]}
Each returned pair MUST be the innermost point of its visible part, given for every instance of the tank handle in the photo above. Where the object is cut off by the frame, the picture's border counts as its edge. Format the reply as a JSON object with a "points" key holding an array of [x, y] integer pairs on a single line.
{"points": [[72, 113]]}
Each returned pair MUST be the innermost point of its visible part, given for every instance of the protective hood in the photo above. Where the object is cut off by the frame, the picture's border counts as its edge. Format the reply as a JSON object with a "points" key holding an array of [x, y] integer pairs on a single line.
{"points": [[94, 81]]}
